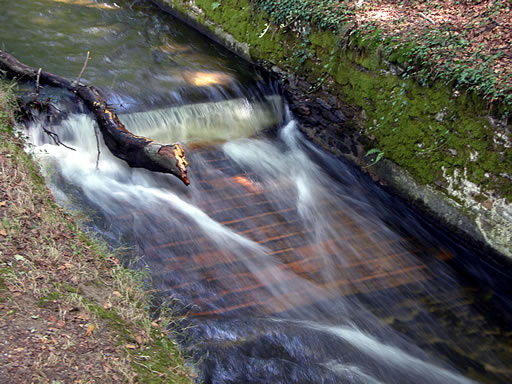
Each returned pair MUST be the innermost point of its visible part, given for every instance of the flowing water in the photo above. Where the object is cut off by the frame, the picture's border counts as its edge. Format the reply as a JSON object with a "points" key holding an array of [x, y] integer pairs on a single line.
{"points": [[292, 265]]}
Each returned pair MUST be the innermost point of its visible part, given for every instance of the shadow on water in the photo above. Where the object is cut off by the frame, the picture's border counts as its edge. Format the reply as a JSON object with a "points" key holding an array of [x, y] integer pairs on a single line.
{"points": [[293, 267]]}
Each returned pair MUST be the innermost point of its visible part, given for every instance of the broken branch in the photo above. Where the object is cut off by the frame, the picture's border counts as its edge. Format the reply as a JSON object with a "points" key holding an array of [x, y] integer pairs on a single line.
{"points": [[98, 148], [427, 18], [37, 82], [56, 138], [136, 151], [77, 81]]}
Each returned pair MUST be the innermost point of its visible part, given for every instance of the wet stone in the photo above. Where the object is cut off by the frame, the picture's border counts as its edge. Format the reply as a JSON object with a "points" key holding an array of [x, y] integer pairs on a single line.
{"points": [[340, 146], [333, 101], [323, 104], [303, 85], [303, 110], [340, 115], [332, 117]]}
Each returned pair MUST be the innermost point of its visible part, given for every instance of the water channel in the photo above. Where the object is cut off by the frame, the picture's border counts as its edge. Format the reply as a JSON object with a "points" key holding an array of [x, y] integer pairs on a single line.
{"points": [[292, 265]]}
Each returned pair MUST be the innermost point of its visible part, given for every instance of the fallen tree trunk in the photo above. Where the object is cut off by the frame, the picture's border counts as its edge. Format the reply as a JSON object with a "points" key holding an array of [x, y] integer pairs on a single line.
{"points": [[137, 151]]}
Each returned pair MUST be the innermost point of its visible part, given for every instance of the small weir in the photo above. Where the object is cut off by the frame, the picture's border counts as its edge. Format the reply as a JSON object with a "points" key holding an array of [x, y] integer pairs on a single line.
{"points": [[292, 265]]}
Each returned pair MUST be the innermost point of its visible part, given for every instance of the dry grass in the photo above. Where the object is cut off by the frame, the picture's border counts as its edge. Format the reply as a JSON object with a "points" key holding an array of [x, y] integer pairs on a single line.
{"points": [[69, 313]]}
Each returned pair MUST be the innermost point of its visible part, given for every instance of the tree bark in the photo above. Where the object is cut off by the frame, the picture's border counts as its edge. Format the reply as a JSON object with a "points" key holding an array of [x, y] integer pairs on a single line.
{"points": [[137, 151]]}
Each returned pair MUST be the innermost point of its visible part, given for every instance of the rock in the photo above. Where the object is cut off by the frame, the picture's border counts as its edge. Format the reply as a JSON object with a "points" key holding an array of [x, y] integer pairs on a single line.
{"points": [[331, 116], [342, 147], [303, 110], [303, 85], [441, 115], [487, 204], [333, 101], [277, 70], [340, 115], [506, 175], [323, 103]]}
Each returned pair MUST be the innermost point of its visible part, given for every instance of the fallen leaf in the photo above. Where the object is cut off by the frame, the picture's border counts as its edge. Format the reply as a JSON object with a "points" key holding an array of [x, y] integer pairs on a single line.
{"points": [[3, 203], [60, 323], [138, 339], [3, 232], [155, 324], [52, 318], [107, 305], [247, 183], [130, 346], [116, 293], [82, 316], [90, 330], [114, 261]]}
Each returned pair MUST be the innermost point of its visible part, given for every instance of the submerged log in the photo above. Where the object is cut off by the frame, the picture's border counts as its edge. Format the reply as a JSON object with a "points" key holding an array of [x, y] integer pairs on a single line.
{"points": [[136, 151]]}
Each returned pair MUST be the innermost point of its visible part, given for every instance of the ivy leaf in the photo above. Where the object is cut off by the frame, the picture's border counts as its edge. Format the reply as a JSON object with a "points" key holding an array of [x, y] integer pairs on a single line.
{"points": [[373, 151], [379, 156]]}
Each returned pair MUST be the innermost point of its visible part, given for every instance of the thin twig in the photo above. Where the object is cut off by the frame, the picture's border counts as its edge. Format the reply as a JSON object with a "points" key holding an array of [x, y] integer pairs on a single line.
{"points": [[77, 81], [315, 87], [98, 147], [56, 108], [114, 81], [37, 83], [160, 374], [284, 27], [132, 4], [265, 31], [429, 150], [56, 139], [427, 18]]}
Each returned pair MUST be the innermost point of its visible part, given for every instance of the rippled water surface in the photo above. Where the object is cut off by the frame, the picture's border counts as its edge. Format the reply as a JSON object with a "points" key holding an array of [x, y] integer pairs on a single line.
{"points": [[292, 265]]}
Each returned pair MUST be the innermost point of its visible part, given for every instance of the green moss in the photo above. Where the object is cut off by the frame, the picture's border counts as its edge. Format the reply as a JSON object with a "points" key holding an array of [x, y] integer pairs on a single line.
{"points": [[113, 318], [424, 129], [49, 298], [416, 126], [324, 39]]}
